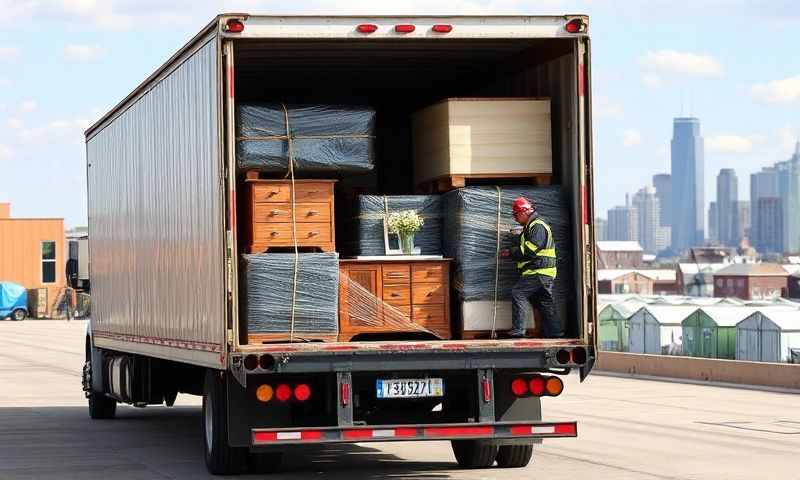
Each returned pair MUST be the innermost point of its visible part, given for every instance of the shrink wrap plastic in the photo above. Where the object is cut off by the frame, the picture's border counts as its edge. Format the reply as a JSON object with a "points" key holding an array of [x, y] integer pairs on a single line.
{"points": [[326, 139], [366, 222], [267, 282], [478, 223]]}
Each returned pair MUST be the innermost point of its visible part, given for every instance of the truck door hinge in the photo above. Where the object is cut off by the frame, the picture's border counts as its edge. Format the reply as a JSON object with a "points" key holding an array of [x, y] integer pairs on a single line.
{"points": [[230, 336]]}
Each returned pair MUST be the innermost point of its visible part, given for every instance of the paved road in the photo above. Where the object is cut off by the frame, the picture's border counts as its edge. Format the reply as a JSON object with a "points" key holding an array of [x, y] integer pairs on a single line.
{"points": [[629, 429]]}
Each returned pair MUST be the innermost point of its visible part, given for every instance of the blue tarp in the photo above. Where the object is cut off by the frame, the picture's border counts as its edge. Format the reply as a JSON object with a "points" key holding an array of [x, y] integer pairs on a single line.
{"points": [[12, 296]]}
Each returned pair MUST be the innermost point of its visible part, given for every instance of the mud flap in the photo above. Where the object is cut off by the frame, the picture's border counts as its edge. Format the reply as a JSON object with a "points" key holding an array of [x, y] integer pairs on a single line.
{"points": [[589, 365]]}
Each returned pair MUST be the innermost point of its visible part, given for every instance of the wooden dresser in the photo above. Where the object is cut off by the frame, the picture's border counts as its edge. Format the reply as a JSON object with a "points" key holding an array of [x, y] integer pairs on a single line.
{"points": [[394, 296], [268, 214]]}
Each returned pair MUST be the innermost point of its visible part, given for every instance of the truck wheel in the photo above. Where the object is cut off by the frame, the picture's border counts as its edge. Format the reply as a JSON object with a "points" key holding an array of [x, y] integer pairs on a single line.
{"points": [[101, 407], [474, 454], [221, 458], [18, 315], [514, 456]]}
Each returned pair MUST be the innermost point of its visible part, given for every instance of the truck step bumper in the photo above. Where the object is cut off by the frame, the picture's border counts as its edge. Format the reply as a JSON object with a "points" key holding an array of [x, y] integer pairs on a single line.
{"points": [[455, 431]]}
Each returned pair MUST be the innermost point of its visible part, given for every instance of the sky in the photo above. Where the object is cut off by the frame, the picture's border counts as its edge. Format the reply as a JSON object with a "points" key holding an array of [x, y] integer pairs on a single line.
{"points": [[734, 64]]}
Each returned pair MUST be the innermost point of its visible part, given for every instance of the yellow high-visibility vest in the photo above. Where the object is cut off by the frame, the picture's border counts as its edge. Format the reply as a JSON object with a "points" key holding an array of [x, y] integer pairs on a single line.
{"points": [[548, 251]]}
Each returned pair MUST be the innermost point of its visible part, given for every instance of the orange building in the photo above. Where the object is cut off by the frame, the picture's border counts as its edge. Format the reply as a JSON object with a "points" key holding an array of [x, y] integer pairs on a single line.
{"points": [[32, 252]]}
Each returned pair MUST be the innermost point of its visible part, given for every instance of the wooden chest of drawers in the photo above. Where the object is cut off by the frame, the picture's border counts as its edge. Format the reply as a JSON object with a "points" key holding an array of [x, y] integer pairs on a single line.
{"points": [[268, 214], [394, 296]]}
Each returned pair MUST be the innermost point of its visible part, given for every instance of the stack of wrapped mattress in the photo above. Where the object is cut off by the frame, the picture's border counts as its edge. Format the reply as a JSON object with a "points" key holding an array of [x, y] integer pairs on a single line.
{"points": [[267, 284], [366, 219], [326, 139], [478, 222]]}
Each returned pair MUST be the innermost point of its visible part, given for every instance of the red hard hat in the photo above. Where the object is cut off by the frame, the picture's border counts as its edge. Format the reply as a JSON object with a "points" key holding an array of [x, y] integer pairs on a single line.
{"points": [[521, 205]]}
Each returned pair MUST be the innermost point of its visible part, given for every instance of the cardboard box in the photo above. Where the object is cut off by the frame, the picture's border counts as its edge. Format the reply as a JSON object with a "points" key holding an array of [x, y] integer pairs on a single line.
{"points": [[488, 137]]}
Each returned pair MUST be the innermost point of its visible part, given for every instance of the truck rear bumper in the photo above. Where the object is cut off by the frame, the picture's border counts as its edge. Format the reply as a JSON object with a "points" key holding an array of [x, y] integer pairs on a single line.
{"points": [[388, 433]]}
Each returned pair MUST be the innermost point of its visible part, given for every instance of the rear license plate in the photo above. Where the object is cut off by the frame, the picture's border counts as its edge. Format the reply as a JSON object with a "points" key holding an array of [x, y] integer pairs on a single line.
{"points": [[409, 388]]}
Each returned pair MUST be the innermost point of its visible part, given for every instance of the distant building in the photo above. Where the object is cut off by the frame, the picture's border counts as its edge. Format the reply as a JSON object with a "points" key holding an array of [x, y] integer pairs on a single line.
{"points": [[600, 229], [767, 231], [697, 279], [751, 281], [714, 254], [793, 286], [619, 254], [688, 195], [663, 238], [713, 222], [623, 223], [624, 281], [781, 181], [662, 182], [727, 212], [743, 218], [32, 253], [648, 213]]}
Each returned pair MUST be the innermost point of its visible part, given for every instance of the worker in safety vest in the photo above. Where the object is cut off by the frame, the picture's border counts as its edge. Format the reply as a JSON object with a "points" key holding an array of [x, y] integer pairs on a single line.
{"points": [[536, 261]]}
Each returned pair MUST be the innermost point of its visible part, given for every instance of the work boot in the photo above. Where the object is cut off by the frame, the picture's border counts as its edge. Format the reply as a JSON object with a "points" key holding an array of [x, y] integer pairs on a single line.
{"points": [[516, 334]]}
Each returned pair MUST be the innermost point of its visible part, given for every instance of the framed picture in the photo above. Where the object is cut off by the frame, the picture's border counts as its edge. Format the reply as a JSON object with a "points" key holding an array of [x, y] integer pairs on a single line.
{"points": [[391, 241]]}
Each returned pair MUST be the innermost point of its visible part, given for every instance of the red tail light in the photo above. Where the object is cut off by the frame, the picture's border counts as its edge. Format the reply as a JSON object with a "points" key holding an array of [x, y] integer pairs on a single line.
{"points": [[487, 390], [537, 386], [576, 25], [367, 28], [302, 392], [345, 394], [519, 387], [404, 28], [441, 28], [234, 26], [283, 392]]}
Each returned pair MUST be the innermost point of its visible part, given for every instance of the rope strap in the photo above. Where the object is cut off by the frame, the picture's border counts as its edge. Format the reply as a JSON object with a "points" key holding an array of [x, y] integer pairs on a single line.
{"points": [[496, 262], [290, 174]]}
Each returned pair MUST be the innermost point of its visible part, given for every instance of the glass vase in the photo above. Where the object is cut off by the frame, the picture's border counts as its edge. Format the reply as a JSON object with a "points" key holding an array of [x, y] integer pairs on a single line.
{"points": [[407, 243]]}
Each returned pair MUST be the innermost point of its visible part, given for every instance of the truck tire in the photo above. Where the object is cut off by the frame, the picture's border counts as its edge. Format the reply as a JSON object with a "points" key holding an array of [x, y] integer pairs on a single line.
{"points": [[101, 407], [221, 458], [514, 456], [473, 453], [265, 462], [18, 315]]}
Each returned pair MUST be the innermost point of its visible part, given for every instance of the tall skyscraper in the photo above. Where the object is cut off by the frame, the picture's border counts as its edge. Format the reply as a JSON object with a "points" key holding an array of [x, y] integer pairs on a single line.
{"points": [[688, 180], [600, 229], [663, 185], [623, 223], [764, 185], [743, 220], [648, 213], [727, 211], [713, 222], [781, 181], [789, 186]]}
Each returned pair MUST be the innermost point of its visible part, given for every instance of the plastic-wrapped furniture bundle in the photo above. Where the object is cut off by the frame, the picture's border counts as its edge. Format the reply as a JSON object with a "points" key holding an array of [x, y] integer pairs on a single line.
{"points": [[325, 138], [473, 216], [267, 281], [371, 210]]}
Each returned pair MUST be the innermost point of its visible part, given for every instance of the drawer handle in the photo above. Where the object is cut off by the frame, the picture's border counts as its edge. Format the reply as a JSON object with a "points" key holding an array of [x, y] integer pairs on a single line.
{"points": [[395, 294], [273, 192], [395, 274], [429, 294], [312, 213], [428, 316], [274, 213], [312, 192], [313, 234], [274, 234]]}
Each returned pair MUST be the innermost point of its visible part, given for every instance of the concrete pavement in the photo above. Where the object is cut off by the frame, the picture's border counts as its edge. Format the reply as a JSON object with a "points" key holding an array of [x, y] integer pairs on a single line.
{"points": [[628, 429]]}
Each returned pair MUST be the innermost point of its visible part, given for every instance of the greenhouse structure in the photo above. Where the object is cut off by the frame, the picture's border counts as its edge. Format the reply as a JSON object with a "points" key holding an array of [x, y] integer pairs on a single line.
{"points": [[613, 324], [657, 329], [710, 332], [769, 336]]}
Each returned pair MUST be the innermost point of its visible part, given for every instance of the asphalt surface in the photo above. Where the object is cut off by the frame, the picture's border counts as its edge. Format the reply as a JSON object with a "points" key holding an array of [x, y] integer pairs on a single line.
{"points": [[628, 429]]}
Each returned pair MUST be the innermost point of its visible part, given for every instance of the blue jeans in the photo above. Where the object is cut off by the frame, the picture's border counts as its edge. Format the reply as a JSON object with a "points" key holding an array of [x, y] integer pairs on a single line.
{"points": [[537, 289]]}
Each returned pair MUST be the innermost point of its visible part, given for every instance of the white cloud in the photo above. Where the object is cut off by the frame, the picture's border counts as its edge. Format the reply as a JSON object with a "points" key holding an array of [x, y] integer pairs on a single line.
{"points": [[58, 132], [82, 53], [787, 138], [684, 63], [631, 137], [27, 106], [14, 123], [5, 152], [652, 80], [7, 53], [604, 107], [786, 90], [727, 143]]}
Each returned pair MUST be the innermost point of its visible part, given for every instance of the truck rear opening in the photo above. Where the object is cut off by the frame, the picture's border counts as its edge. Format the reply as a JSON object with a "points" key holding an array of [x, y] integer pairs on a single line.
{"points": [[174, 229]]}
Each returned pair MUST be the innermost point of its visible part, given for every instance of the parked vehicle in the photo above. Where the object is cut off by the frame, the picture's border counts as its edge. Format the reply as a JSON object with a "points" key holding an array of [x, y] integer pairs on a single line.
{"points": [[13, 301], [162, 200]]}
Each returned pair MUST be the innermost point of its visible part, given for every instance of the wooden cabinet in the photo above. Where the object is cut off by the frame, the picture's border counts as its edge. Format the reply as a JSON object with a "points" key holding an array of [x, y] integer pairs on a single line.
{"points": [[268, 214], [394, 296]]}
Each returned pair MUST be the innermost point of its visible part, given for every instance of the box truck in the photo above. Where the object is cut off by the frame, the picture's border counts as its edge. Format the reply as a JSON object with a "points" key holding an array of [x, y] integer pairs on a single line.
{"points": [[164, 251]]}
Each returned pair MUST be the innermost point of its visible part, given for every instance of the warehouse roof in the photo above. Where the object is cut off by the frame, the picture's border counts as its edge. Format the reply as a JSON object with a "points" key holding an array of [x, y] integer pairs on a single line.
{"points": [[669, 314], [618, 246], [692, 268], [753, 270], [660, 275], [653, 274]]}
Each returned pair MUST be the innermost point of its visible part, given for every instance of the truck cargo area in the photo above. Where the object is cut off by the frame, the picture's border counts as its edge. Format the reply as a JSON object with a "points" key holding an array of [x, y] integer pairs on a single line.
{"points": [[398, 77]]}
